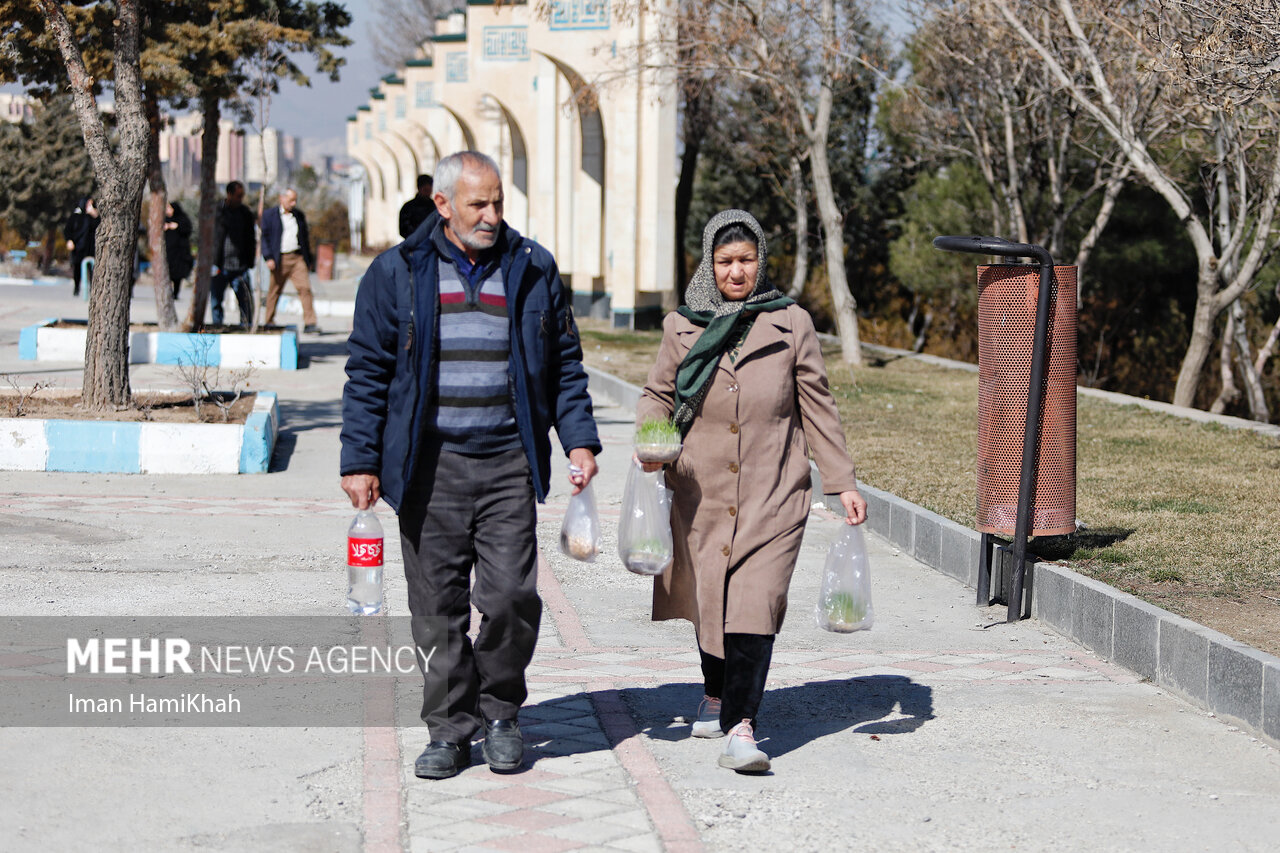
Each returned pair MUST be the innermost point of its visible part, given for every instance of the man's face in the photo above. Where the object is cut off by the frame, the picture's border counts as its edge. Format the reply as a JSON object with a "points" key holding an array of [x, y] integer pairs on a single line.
{"points": [[235, 197], [288, 201], [475, 212]]}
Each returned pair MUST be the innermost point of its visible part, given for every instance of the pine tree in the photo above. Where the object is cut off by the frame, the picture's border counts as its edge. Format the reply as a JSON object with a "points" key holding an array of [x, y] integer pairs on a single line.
{"points": [[47, 169]]}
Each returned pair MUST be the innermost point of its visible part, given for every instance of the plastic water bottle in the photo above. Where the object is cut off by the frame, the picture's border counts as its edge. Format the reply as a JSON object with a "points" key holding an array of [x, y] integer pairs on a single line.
{"points": [[364, 564]]}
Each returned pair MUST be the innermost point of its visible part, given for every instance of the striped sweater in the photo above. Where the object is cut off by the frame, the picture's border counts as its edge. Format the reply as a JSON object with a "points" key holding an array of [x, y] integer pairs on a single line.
{"points": [[473, 412]]}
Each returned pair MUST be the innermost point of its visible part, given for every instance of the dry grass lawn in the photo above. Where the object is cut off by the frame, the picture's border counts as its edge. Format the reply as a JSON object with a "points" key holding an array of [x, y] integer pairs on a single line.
{"points": [[1184, 515]]}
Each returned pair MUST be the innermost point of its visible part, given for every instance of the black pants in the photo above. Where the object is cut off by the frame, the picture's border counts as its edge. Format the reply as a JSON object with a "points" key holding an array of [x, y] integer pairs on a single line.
{"points": [[77, 258], [462, 511], [738, 678]]}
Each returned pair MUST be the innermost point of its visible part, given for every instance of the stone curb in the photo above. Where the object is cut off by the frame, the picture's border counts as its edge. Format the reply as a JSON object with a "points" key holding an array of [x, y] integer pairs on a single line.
{"points": [[121, 447], [1208, 669], [273, 351]]}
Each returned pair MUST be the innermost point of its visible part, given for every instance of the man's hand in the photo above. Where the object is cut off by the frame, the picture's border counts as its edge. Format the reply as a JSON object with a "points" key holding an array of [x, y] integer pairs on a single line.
{"points": [[585, 461], [271, 264], [855, 506], [362, 489]]}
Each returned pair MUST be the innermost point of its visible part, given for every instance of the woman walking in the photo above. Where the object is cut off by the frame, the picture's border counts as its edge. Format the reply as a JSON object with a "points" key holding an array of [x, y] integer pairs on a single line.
{"points": [[741, 374]]}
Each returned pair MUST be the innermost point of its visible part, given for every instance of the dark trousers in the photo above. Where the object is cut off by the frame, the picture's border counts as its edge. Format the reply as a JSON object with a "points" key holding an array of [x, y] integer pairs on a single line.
{"points": [[738, 678], [238, 281], [77, 259], [463, 511]]}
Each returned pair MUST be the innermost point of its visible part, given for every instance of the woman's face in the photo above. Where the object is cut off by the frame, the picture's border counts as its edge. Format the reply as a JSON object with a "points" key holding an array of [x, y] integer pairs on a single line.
{"points": [[735, 266]]}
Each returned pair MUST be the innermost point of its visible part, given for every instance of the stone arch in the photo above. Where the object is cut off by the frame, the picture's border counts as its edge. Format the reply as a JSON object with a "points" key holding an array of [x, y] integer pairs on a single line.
{"points": [[467, 133], [428, 138], [394, 161]]}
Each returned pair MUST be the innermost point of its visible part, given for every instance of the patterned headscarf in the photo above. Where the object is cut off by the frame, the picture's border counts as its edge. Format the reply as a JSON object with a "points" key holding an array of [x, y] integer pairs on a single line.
{"points": [[725, 320]]}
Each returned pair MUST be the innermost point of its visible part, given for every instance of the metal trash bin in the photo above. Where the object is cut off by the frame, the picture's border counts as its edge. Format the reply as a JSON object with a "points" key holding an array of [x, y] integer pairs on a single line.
{"points": [[1007, 296], [1026, 403]]}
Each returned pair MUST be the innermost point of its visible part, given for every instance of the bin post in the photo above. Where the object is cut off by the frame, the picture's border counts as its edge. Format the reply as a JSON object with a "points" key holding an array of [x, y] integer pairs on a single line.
{"points": [[1035, 401]]}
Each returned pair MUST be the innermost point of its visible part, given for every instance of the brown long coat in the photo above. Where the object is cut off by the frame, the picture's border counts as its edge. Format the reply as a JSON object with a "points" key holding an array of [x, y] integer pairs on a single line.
{"points": [[742, 485]]}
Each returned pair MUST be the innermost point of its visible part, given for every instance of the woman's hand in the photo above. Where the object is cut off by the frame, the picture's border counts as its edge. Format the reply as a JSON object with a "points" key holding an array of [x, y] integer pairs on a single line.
{"points": [[648, 467], [855, 507]]}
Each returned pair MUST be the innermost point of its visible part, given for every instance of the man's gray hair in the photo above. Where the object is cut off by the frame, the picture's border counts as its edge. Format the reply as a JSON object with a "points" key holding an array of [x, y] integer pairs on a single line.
{"points": [[450, 169]]}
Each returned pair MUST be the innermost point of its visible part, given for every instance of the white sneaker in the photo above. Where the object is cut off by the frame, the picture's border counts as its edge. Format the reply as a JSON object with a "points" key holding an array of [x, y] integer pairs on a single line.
{"points": [[741, 753], [707, 723]]}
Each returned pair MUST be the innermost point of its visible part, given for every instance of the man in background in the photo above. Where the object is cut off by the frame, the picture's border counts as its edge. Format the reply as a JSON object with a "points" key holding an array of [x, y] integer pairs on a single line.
{"points": [[233, 248], [418, 208], [286, 246]]}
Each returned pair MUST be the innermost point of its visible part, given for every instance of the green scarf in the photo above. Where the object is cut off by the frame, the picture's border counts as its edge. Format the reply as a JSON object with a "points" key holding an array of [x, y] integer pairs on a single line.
{"points": [[693, 376]]}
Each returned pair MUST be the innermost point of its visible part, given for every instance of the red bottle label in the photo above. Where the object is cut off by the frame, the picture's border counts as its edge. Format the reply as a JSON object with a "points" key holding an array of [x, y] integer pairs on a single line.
{"points": [[365, 553]]}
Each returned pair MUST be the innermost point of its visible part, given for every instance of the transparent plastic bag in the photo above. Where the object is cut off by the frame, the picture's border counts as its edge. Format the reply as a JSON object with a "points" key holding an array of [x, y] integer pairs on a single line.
{"points": [[580, 533], [844, 602], [644, 528]]}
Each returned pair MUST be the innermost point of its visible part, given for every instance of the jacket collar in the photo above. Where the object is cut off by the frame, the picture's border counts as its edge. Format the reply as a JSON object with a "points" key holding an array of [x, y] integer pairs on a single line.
{"points": [[509, 239]]}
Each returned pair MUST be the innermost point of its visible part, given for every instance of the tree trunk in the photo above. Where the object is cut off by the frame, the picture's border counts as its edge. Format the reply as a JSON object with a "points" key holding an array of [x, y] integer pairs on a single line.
{"points": [[159, 200], [120, 173], [817, 134], [694, 124], [800, 272], [842, 301], [1253, 390], [212, 111], [50, 246], [1229, 392], [106, 352], [1201, 343]]}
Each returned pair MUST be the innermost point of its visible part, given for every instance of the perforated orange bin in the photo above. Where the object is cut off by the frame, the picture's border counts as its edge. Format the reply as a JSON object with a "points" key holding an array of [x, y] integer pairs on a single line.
{"points": [[1006, 325]]}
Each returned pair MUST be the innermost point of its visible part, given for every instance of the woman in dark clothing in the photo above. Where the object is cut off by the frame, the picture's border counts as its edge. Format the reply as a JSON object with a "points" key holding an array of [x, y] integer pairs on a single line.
{"points": [[81, 231], [177, 244]]}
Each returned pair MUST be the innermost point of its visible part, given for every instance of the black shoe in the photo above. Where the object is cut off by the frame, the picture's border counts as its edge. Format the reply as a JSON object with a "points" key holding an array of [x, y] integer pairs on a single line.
{"points": [[442, 759], [311, 329], [503, 744]]}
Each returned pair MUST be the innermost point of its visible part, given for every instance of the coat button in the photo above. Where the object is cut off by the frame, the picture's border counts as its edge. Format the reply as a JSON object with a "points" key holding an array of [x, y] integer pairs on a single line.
{"points": [[733, 510], [733, 389], [725, 550], [733, 467], [733, 428]]}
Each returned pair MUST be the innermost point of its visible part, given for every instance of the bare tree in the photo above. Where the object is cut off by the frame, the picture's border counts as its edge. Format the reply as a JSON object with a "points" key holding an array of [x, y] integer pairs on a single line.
{"points": [[971, 97], [120, 169], [403, 29], [802, 52], [1107, 56]]}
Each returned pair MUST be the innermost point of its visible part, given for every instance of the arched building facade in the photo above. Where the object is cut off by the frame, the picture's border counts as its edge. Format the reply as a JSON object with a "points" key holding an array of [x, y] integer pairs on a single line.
{"points": [[589, 169]]}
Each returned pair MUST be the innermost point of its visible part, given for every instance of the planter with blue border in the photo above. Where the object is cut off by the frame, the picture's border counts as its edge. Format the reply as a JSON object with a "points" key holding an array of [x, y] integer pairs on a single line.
{"points": [[124, 447], [48, 341]]}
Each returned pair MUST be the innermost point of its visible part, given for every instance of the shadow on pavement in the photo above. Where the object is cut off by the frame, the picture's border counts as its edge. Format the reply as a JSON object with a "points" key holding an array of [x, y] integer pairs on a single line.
{"points": [[791, 717], [300, 417], [323, 352]]}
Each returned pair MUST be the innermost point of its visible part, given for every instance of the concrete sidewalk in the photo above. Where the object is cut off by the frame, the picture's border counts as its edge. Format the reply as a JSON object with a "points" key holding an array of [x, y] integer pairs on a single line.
{"points": [[943, 728]]}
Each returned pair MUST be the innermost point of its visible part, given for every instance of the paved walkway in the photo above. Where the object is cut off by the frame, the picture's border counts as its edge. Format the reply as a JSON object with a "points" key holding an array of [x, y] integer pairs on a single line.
{"points": [[942, 729]]}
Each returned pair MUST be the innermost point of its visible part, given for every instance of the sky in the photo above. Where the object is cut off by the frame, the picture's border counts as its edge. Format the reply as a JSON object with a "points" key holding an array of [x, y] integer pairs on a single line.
{"points": [[320, 111]]}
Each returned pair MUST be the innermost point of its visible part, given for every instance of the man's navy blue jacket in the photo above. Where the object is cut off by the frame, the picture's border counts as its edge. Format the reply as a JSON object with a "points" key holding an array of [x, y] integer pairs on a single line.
{"points": [[393, 349], [273, 230]]}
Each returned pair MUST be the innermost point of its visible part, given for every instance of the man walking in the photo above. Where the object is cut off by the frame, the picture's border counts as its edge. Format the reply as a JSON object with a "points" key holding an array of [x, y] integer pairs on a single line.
{"points": [[286, 247], [463, 355], [418, 208], [233, 247]]}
